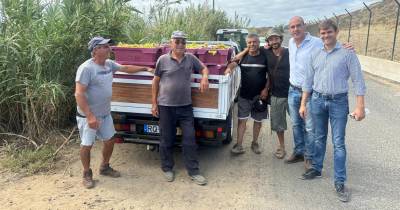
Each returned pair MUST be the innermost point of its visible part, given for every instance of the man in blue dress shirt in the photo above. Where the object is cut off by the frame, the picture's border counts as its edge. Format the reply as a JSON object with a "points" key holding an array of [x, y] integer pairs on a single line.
{"points": [[326, 80], [300, 47]]}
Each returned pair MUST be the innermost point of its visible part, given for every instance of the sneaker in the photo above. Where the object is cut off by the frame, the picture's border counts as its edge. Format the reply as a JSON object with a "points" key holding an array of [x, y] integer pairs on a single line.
{"points": [[307, 164], [169, 176], [199, 179], [87, 180], [294, 158], [106, 170], [342, 192], [237, 149], [255, 147], [311, 174]]}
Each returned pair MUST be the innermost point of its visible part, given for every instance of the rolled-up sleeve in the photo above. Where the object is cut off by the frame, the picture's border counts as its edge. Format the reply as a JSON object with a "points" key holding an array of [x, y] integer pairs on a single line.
{"points": [[309, 77], [356, 74]]}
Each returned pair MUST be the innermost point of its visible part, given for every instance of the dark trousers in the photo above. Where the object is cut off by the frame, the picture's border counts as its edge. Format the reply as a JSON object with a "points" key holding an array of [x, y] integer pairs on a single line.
{"points": [[170, 116]]}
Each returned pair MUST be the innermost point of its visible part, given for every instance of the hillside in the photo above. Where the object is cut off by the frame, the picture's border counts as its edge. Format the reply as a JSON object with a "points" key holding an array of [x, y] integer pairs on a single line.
{"points": [[381, 33]]}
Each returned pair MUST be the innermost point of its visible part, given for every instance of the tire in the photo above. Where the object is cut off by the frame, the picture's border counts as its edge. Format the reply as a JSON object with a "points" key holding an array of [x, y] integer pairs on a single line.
{"points": [[229, 128]]}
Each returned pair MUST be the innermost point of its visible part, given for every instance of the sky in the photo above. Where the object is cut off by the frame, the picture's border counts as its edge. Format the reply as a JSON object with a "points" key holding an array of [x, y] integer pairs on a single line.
{"points": [[276, 12]]}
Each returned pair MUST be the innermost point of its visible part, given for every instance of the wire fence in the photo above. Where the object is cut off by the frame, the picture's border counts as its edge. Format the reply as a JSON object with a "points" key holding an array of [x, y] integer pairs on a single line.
{"points": [[372, 30]]}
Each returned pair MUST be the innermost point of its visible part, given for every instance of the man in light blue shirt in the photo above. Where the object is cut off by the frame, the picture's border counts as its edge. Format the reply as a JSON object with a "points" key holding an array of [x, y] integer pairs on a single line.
{"points": [[327, 79], [300, 47]]}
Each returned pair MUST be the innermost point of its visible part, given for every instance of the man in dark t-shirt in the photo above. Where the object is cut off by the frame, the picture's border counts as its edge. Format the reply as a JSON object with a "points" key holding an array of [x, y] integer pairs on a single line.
{"points": [[253, 87], [279, 70]]}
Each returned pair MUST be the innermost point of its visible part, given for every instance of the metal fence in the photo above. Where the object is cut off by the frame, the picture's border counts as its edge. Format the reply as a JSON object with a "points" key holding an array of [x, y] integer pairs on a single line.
{"points": [[372, 30]]}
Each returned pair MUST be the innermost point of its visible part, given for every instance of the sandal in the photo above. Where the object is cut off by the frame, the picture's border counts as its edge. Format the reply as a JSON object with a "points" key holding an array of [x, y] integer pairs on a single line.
{"points": [[237, 149], [280, 153]]}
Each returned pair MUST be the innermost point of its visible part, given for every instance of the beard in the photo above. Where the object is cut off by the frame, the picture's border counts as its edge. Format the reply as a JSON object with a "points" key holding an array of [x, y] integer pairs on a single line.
{"points": [[275, 45]]}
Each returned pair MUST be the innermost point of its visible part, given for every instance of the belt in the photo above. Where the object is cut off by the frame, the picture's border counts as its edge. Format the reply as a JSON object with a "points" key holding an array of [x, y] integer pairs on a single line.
{"points": [[329, 96], [79, 115], [296, 88]]}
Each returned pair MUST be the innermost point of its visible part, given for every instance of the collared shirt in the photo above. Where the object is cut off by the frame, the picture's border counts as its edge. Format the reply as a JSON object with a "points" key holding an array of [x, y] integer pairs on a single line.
{"points": [[175, 79], [329, 71], [299, 56]]}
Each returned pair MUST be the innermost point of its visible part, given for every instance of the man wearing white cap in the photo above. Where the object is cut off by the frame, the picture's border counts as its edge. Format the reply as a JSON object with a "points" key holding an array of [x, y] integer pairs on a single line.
{"points": [[172, 103], [93, 93]]}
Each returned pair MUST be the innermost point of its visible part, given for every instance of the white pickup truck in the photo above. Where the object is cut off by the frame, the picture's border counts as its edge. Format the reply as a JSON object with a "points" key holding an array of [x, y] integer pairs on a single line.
{"points": [[131, 107]]}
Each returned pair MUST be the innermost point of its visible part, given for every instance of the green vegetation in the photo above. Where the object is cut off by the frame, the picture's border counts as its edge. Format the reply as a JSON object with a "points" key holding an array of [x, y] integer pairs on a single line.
{"points": [[42, 43], [27, 161]]}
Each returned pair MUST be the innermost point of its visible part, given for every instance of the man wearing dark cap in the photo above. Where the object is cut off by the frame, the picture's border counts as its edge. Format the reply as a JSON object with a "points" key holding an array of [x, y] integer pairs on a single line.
{"points": [[93, 98], [279, 70], [172, 103]]}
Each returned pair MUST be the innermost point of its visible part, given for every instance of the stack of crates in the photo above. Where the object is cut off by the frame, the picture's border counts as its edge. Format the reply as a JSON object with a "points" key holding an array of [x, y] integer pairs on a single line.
{"points": [[216, 60]]}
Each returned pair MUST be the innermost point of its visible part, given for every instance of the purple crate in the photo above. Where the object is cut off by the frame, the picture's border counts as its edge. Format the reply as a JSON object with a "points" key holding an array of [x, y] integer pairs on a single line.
{"points": [[140, 56], [221, 56], [128, 76]]}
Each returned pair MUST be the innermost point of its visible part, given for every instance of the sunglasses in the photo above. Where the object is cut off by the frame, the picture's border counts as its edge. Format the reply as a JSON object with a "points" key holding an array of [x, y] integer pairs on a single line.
{"points": [[102, 46], [180, 41]]}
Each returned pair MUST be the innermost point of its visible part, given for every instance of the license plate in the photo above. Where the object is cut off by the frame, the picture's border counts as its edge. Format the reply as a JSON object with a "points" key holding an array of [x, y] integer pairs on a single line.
{"points": [[151, 129]]}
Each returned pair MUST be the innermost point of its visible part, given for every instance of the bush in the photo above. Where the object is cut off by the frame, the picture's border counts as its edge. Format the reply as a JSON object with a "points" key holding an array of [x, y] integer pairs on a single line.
{"points": [[26, 160]]}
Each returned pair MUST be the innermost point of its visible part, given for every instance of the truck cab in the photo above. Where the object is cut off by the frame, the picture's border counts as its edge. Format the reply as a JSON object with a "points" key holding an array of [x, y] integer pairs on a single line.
{"points": [[235, 35]]}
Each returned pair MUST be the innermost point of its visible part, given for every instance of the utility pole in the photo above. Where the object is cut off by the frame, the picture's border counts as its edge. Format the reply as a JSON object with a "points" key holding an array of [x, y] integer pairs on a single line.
{"points": [[213, 6]]}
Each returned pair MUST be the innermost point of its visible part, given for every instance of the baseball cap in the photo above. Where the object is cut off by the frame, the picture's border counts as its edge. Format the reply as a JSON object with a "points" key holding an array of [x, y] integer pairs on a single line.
{"points": [[274, 32], [178, 35], [98, 40]]}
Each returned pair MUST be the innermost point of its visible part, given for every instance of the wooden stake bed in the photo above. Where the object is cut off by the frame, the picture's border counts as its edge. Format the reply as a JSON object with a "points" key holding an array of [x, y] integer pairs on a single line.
{"points": [[133, 95], [141, 93]]}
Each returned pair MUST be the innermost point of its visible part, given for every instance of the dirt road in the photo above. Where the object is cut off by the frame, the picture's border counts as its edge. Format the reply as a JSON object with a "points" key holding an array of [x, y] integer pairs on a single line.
{"points": [[248, 181]]}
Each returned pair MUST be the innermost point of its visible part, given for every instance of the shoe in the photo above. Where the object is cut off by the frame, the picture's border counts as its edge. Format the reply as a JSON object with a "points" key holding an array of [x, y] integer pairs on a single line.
{"points": [[294, 158], [280, 153], [87, 180], [199, 179], [342, 192], [169, 176], [255, 147], [307, 164], [311, 174], [106, 170], [237, 149]]}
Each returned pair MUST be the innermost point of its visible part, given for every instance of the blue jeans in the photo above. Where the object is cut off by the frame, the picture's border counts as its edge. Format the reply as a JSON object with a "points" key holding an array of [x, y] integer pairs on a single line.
{"points": [[302, 130], [335, 109]]}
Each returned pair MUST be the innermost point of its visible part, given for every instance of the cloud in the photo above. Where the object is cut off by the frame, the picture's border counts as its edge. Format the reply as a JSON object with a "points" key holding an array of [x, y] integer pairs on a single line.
{"points": [[275, 12]]}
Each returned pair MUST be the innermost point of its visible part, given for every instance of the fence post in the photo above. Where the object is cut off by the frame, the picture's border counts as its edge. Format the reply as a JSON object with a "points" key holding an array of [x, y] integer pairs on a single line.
{"points": [[395, 32], [337, 19], [369, 26], [351, 18]]}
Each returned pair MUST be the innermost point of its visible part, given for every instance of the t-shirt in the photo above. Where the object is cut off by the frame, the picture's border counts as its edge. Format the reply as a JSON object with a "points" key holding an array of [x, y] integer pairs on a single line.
{"points": [[279, 77], [254, 71], [98, 80], [175, 78]]}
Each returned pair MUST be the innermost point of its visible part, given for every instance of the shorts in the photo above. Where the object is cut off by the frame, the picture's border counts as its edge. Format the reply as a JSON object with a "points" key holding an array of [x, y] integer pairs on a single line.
{"points": [[279, 108], [245, 110], [88, 135]]}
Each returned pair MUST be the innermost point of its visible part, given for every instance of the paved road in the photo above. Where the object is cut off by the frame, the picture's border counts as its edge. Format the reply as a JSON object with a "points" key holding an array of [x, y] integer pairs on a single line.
{"points": [[248, 181], [373, 163]]}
